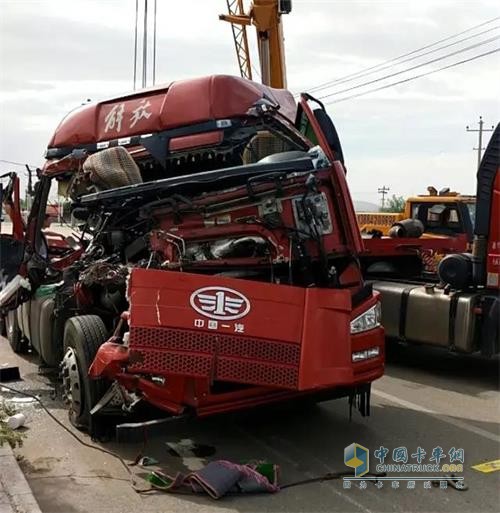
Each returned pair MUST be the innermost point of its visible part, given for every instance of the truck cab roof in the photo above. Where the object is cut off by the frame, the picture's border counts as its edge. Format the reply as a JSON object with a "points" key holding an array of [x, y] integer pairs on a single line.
{"points": [[135, 120]]}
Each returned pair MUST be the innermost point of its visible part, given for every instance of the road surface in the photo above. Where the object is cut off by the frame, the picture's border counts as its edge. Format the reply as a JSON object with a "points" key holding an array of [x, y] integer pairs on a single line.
{"points": [[427, 398]]}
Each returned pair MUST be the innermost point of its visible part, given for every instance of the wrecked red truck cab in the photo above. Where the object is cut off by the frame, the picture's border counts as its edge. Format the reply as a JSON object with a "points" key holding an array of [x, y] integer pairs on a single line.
{"points": [[221, 253]]}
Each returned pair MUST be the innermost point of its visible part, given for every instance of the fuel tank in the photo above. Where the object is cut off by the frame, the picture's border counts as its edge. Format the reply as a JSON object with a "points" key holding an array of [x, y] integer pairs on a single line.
{"points": [[426, 314]]}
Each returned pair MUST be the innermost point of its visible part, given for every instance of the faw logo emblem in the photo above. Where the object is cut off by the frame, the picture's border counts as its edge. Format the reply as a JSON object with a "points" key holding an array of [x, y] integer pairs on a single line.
{"points": [[220, 303]]}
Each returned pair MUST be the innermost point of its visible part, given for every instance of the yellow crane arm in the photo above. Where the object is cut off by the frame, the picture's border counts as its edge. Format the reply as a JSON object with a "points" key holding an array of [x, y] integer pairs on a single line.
{"points": [[238, 22], [265, 15]]}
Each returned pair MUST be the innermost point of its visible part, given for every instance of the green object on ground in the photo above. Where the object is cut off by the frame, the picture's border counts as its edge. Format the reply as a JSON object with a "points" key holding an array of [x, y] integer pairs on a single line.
{"points": [[268, 470], [159, 480]]}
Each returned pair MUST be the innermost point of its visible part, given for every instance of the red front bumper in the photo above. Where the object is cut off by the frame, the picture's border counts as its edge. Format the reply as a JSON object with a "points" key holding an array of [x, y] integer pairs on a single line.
{"points": [[196, 330]]}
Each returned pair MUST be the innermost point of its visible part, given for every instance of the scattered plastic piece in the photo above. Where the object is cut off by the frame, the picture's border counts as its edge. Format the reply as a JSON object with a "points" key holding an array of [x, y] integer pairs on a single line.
{"points": [[186, 448], [147, 461], [159, 480], [21, 400], [16, 421]]}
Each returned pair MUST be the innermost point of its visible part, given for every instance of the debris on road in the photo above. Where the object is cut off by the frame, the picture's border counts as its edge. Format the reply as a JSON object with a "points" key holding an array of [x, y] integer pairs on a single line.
{"points": [[9, 373], [192, 453], [16, 421], [8, 427], [220, 478], [147, 461]]}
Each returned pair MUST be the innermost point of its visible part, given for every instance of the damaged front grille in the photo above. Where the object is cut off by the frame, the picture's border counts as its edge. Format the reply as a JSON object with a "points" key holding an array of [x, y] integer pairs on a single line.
{"points": [[216, 356]]}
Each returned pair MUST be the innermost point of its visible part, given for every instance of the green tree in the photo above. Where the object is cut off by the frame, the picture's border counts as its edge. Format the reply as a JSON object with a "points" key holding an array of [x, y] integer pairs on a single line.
{"points": [[394, 204]]}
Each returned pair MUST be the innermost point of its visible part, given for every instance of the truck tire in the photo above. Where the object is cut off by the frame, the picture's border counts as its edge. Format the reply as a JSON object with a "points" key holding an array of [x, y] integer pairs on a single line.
{"points": [[16, 340], [82, 337], [51, 348]]}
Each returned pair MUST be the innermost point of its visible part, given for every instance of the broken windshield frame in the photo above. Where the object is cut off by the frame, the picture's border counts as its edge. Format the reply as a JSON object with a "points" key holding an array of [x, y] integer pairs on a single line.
{"points": [[236, 174]]}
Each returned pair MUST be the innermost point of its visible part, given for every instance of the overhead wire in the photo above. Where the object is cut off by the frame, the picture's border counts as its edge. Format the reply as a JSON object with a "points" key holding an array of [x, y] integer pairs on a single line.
{"points": [[409, 59], [396, 73], [16, 163], [394, 59], [385, 86]]}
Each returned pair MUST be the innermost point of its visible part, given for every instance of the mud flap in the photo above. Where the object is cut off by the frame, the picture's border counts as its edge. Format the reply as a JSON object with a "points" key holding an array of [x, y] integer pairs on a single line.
{"points": [[359, 397]]}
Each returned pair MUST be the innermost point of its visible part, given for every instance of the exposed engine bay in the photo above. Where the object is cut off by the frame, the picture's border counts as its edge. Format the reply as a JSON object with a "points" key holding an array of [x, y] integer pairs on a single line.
{"points": [[272, 221]]}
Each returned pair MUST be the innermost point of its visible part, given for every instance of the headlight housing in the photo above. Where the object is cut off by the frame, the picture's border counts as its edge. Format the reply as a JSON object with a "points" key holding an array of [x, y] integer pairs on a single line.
{"points": [[367, 320]]}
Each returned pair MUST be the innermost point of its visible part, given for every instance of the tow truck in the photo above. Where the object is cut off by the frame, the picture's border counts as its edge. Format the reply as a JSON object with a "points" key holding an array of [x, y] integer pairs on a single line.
{"points": [[217, 266], [442, 214], [434, 291]]}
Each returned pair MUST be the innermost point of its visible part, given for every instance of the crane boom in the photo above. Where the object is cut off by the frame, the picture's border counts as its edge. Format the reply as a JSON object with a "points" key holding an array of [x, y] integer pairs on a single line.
{"points": [[265, 15], [235, 9]]}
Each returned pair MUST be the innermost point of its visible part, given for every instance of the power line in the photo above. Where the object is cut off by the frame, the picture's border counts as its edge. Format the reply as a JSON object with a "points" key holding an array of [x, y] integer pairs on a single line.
{"points": [[396, 73], [364, 74], [16, 163], [414, 77], [405, 54]]}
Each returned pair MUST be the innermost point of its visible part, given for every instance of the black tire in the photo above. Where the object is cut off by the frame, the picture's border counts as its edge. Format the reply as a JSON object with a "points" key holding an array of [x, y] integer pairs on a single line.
{"points": [[16, 340], [84, 335]]}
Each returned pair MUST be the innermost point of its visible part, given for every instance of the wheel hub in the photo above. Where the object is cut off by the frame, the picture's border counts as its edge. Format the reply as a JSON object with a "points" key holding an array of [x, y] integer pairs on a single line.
{"points": [[72, 386]]}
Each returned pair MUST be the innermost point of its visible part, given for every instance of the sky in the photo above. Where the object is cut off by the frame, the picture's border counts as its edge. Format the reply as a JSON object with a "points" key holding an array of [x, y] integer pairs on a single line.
{"points": [[56, 54]]}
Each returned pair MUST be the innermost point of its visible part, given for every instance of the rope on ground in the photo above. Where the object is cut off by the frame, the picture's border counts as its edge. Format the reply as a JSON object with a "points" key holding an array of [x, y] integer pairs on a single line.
{"points": [[57, 421]]}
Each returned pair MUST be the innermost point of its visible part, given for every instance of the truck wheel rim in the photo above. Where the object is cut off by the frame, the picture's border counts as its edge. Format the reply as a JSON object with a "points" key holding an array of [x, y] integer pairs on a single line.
{"points": [[72, 387]]}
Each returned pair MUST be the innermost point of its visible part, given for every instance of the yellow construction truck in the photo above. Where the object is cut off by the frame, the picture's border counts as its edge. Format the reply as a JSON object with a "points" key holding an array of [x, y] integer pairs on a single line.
{"points": [[443, 213]]}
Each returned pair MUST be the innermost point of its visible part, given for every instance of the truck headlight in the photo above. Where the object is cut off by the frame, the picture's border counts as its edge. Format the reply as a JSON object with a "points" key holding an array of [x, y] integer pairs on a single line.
{"points": [[372, 352], [367, 320]]}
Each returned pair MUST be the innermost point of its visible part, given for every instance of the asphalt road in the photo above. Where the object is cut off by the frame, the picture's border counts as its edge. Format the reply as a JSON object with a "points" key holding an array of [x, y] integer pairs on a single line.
{"points": [[427, 398]]}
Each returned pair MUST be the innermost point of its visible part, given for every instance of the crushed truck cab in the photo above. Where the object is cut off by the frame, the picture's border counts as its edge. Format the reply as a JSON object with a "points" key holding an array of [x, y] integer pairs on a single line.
{"points": [[218, 267]]}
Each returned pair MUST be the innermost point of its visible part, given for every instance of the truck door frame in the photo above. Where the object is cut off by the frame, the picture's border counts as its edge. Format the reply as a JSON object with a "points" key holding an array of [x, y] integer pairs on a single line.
{"points": [[345, 208]]}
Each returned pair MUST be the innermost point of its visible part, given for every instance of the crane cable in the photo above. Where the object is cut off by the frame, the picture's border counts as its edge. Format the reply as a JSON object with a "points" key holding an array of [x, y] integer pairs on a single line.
{"points": [[432, 61], [135, 42], [154, 42], [145, 46], [414, 77], [364, 71]]}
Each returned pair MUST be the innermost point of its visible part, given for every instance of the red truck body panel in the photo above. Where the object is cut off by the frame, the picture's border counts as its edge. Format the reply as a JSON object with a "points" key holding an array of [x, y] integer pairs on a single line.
{"points": [[493, 258], [180, 103], [291, 337], [195, 330]]}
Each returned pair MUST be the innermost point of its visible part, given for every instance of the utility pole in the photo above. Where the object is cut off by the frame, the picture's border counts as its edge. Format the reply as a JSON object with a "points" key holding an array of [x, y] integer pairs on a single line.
{"points": [[383, 191], [480, 145]]}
